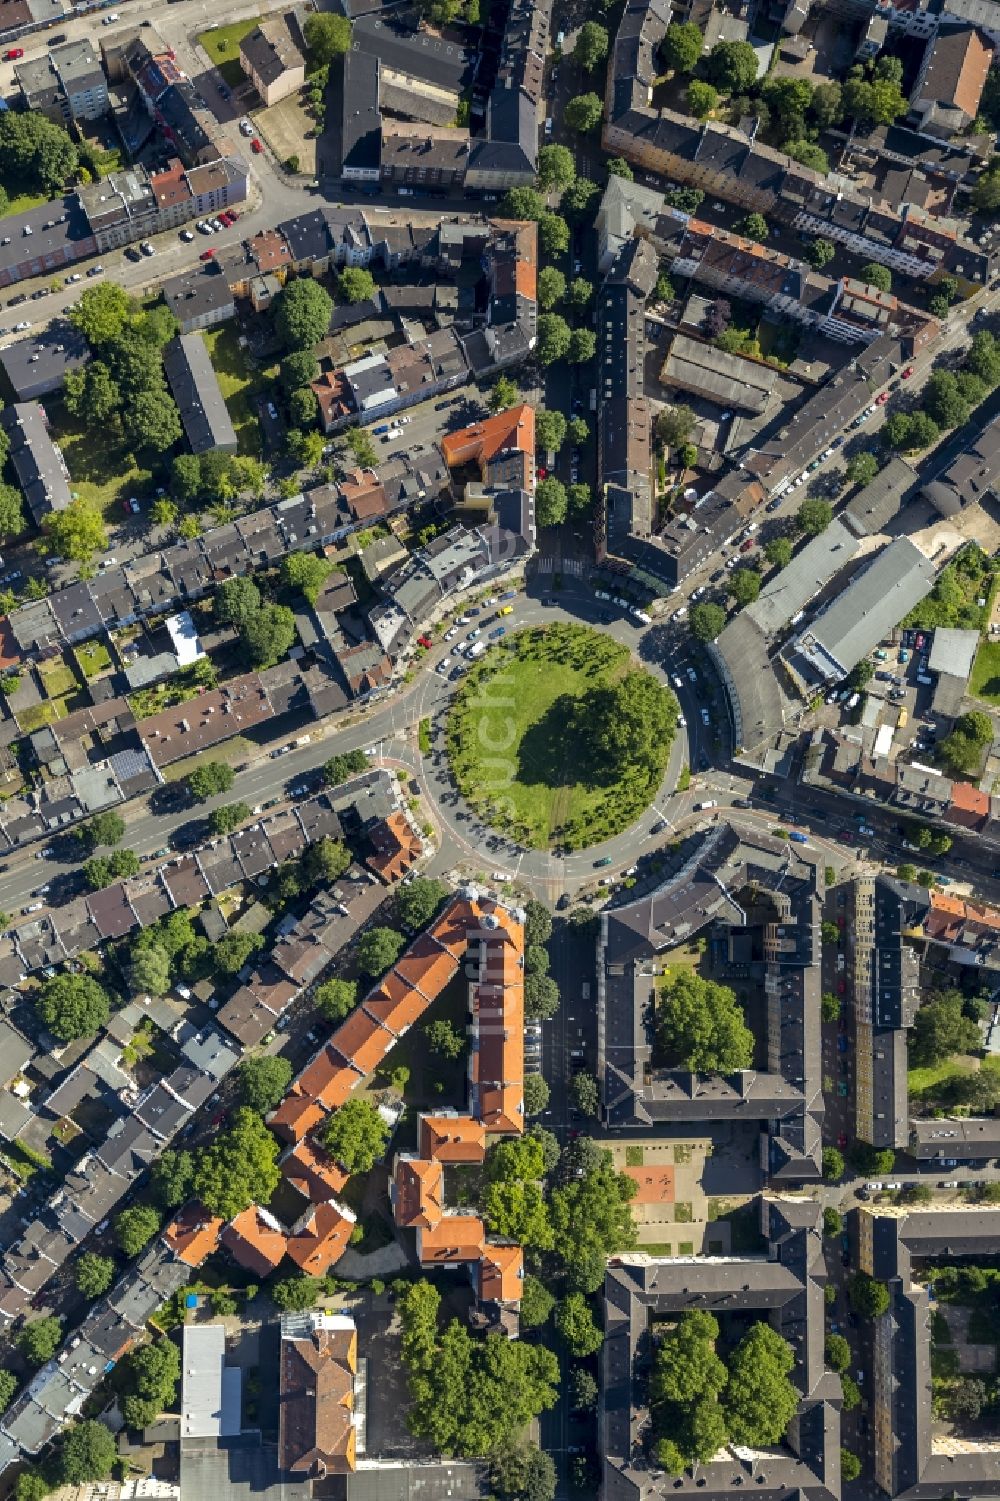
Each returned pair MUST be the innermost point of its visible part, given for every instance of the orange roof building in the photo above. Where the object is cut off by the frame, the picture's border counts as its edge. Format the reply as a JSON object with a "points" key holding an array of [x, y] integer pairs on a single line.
{"points": [[397, 848], [456, 1238], [417, 1193], [313, 1172], [362, 1041], [318, 1367], [496, 1003], [395, 1004], [256, 1240], [968, 806], [321, 1237], [497, 438], [482, 932], [450, 929], [501, 1274], [426, 966], [449, 1137], [295, 1116], [498, 1011], [193, 1234], [328, 1079]]}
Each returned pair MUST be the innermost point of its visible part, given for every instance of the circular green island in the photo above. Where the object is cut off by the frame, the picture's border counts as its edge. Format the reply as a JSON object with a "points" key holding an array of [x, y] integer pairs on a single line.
{"points": [[558, 738]]}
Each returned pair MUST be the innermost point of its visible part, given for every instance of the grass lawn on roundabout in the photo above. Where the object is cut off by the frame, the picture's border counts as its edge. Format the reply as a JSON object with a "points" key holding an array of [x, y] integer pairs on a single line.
{"points": [[557, 737]]}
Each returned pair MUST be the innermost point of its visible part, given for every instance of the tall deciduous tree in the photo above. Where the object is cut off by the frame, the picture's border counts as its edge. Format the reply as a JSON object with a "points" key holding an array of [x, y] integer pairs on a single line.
{"points": [[378, 950], [556, 168], [701, 1027], [682, 46], [356, 1136], [238, 1168], [335, 998], [591, 46], [209, 780], [551, 502], [327, 36], [355, 284], [76, 532], [135, 1227], [38, 1339], [72, 1006], [583, 113], [303, 314], [759, 1401], [263, 1080]]}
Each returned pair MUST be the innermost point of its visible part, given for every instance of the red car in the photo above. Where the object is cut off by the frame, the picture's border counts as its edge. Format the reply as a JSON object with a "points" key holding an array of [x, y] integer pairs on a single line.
{"points": [[841, 987], [226, 219], [425, 641], [880, 401], [845, 836], [541, 472], [256, 147], [842, 1139], [206, 255], [12, 54], [908, 372], [746, 546]]}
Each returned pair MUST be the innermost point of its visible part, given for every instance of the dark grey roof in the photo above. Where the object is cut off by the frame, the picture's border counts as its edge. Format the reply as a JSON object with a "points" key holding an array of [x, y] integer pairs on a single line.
{"points": [[198, 294], [786, 1290], [15, 1051], [401, 44], [355, 130], [197, 392], [39, 465], [876, 600], [39, 363], [703, 893]]}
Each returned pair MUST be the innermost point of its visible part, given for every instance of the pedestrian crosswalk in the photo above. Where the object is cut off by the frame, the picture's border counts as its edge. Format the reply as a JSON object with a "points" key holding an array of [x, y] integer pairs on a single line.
{"points": [[573, 567]]}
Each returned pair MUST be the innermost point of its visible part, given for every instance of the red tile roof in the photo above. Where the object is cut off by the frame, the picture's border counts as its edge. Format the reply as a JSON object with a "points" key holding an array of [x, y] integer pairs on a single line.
{"points": [[452, 1138], [320, 1238], [193, 1234], [397, 848], [501, 1276], [456, 1237], [256, 1240], [426, 967], [295, 1117], [328, 1079], [419, 1193], [395, 1005], [362, 1041], [316, 1398], [483, 441], [969, 799], [313, 1172]]}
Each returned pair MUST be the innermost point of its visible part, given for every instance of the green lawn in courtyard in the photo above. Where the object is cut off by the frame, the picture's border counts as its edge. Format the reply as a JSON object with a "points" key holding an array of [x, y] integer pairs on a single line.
{"points": [[240, 381]]}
